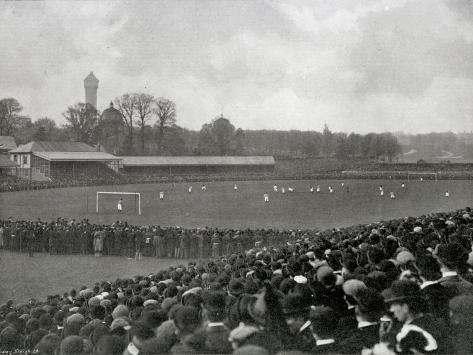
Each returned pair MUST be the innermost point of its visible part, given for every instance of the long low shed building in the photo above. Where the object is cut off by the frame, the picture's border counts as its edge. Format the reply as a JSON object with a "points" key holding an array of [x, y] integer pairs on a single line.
{"points": [[184, 165]]}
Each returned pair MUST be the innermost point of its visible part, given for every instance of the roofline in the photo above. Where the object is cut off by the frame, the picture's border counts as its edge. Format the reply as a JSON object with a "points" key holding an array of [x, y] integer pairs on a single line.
{"points": [[38, 154], [196, 164], [193, 163]]}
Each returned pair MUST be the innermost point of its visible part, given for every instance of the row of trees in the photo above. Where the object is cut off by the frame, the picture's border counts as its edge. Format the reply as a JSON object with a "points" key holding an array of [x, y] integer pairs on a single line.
{"points": [[383, 146], [134, 112], [142, 124], [133, 117], [434, 145]]}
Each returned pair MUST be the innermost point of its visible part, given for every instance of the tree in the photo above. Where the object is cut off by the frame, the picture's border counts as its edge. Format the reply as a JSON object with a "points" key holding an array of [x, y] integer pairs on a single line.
{"points": [[45, 122], [392, 148], [354, 144], [145, 106], [44, 129], [82, 119], [165, 111], [219, 138], [223, 132], [9, 115], [342, 150], [367, 145], [238, 142], [173, 141], [40, 134], [328, 142], [126, 104], [206, 144]]}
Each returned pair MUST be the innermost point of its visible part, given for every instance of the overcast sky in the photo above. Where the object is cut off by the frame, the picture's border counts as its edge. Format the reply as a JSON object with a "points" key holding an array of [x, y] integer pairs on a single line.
{"points": [[374, 65]]}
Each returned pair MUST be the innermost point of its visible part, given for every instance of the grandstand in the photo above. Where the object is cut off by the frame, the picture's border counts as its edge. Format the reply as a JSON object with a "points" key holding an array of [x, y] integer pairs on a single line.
{"points": [[200, 165], [63, 161]]}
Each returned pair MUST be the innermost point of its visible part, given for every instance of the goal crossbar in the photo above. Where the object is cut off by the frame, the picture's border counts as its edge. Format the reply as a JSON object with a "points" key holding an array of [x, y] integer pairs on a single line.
{"points": [[117, 193]]}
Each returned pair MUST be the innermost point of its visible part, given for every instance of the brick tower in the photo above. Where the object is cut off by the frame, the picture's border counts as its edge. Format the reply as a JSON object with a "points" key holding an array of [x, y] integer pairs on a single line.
{"points": [[91, 83]]}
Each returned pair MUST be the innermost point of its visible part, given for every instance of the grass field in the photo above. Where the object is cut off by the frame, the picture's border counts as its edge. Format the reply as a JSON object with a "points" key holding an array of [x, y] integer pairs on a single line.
{"points": [[221, 206], [22, 277]]}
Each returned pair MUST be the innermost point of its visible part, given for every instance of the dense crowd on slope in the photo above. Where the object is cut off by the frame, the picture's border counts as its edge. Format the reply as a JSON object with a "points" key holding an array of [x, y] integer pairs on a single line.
{"points": [[8, 183], [401, 286]]}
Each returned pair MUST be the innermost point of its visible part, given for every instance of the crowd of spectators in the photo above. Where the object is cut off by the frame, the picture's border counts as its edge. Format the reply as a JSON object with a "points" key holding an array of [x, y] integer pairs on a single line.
{"points": [[123, 179], [64, 236], [400, 286]]}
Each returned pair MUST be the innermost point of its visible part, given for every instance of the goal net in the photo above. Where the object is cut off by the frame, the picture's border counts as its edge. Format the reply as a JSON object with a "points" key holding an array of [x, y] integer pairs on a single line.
{"points": [[107, 202], [411, 175]]}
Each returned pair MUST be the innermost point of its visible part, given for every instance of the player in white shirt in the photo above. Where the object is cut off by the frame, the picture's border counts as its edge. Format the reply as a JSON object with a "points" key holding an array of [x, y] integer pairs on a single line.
{"points": [[290, 189], [421, 179], [283, 190], [275, 188], [381, 192], [403, 185], [120, 205], [235, 187], [343, 184], [330, 189], [266, 198], [190, 189], [317, 188], [447, 193], [391, 195], [161, 195], [311, 189], [203, 188]]}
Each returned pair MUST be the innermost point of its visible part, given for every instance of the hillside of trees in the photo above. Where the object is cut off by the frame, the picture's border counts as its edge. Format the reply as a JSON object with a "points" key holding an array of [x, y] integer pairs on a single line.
{"points": [[437, 147], [145, 125]]}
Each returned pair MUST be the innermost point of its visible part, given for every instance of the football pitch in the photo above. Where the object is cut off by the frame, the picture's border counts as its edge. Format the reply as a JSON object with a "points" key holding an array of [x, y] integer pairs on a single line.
{"points": [[219, 205], [222, 206]]}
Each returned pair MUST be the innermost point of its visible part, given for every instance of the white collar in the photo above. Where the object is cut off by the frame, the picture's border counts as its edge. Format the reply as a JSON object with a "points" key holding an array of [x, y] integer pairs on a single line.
{"points": [[427, 283], [449, 273], [406, 328], [325, 341], [215, 324], [304, 326], [363, 323]]}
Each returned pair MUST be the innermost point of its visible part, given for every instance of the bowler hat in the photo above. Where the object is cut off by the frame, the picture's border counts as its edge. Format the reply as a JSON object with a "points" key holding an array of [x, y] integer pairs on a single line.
{"points": [[294, 304], [402, 290]]}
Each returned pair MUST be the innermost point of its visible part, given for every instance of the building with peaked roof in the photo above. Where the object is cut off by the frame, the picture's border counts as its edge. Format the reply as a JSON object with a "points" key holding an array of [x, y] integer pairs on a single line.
{"points": [[187, 165], [63, 160], [7, 143]]}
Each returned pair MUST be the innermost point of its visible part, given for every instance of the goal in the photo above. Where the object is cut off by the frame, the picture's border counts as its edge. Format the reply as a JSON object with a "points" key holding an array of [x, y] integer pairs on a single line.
{"points": [[135, 194], [422, 175]]}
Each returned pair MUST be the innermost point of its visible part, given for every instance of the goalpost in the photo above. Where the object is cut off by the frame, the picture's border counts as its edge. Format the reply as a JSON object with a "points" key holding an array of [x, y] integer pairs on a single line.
{"points": [[117, 193], [411, 174]]}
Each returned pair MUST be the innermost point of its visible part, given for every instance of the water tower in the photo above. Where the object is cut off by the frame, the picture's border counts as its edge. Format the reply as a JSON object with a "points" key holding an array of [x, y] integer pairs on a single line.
{"points": [[91, 83]]}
